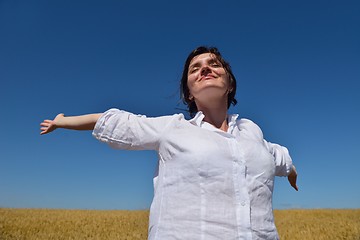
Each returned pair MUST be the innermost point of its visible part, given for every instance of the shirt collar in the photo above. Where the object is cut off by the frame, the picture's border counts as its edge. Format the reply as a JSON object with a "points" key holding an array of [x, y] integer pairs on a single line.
{"points": [[232, 121], [199, 116], [197, 119]]}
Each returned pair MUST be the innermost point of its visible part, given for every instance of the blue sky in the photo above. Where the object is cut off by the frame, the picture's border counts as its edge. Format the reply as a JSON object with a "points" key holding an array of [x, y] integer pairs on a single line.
{"points": [[298, 69]]}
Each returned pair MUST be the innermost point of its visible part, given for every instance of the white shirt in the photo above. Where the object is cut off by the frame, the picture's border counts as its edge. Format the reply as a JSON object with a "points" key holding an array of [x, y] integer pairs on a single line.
{"points": [[209, 184]]}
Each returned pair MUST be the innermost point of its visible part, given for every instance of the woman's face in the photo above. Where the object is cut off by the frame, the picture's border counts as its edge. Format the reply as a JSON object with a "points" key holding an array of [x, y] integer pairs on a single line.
{"points": [[207, 77]]}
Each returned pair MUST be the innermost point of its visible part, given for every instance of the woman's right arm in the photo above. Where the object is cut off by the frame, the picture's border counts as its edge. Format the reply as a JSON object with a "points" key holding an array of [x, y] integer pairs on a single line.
{"points": [[82, 122]]}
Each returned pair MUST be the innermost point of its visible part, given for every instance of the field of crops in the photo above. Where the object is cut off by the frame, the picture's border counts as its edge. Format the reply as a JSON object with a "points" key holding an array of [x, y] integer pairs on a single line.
{"points": [[42, 224]]}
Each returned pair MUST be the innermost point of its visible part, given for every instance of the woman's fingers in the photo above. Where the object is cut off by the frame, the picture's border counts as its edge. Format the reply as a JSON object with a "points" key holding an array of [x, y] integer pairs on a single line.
{"points": [[47, 126]]}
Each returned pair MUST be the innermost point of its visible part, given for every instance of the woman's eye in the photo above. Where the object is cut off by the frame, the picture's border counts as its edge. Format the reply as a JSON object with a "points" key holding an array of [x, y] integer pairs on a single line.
{"points": [[193, 70]]}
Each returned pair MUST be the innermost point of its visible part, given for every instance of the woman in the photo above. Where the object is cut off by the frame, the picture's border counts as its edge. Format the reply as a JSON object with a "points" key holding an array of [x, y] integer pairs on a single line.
{"points": [[215, 173]]}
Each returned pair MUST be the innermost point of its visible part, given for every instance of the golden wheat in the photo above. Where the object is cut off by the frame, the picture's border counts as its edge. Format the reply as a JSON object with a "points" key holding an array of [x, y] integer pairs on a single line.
{"points": [[318, 224], [31, 224], [45, 224]]}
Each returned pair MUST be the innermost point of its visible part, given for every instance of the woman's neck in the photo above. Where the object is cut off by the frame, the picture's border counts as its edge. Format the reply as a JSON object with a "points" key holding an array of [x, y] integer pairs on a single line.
{"points": [[216, 116]]}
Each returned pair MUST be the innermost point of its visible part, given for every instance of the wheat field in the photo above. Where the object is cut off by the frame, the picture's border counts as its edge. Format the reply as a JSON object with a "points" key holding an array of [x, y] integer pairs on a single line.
{"points": [[47, 224]]}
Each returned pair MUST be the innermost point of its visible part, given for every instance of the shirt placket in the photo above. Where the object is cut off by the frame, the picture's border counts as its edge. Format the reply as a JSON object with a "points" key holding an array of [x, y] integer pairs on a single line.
{"points": [[241, 191]]}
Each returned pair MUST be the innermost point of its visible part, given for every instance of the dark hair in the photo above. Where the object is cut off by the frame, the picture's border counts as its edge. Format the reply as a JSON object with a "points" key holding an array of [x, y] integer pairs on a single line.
{"points": [[184, 89]]}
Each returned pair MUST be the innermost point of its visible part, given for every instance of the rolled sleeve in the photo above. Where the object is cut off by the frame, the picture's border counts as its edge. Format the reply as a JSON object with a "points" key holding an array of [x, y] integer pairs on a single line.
{"points": [[124, 130], [283, 161]]}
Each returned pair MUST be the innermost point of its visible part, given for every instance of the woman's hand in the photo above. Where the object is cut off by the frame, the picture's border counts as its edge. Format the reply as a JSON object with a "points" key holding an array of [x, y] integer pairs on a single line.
{"points": [[292, 178], [82, 122], [47, 126]]}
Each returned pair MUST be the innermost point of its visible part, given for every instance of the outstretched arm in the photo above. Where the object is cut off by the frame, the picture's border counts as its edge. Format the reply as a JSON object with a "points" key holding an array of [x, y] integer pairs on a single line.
{"points": [[283, 159], [292, 178], [82, 122]]}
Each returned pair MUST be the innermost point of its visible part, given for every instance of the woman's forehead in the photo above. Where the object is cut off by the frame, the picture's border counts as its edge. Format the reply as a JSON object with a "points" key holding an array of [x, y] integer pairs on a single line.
{"points": [[203, 57]]}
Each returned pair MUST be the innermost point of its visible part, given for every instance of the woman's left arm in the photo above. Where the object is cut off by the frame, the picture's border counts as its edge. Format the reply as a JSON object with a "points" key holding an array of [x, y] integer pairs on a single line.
{"points": [[283, 162]]}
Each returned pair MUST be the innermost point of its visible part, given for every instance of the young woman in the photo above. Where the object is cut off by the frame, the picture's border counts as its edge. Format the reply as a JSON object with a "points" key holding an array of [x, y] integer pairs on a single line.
{"points": [[215, 173]]}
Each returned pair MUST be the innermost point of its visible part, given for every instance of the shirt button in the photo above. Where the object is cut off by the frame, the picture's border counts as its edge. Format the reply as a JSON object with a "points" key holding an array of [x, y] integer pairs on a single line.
{"points": [[243, 203]]}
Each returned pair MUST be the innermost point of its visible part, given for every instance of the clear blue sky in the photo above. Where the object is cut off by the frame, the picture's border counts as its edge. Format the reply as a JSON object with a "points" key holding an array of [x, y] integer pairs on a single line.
{"points": [[298, 69]]}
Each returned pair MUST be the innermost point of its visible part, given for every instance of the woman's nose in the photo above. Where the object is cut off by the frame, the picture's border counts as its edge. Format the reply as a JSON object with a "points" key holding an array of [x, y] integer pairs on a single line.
{"points": [[205, 70]]}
